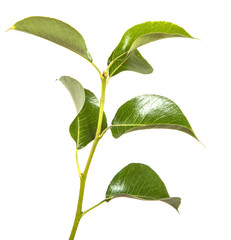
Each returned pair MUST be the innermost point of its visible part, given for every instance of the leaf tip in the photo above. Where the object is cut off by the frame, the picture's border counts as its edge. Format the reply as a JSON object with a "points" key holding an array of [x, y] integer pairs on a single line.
{"points": [[13, 27], [152, 70], [174, 202], [199, 140], [195, 38], [202, 143]]}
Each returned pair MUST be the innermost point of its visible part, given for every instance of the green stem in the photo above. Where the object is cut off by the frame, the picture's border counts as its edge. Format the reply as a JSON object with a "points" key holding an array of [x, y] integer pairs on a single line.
{"points": [[94, 207], [83, 176], [78, 215], [114, 60], [96, 68], [77, 162], [98, 131]]}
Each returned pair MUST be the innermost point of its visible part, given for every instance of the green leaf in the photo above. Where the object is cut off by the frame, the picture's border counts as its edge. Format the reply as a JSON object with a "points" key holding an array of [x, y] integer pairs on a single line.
{"points": [[83, 128], [149, 111], [139, 181], [135, 63], [55, 31], [76, 90], [142, 34]]}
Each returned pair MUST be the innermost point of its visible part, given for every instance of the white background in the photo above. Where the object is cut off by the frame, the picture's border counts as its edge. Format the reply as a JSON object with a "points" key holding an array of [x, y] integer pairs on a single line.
{"points": [[38, 174]]}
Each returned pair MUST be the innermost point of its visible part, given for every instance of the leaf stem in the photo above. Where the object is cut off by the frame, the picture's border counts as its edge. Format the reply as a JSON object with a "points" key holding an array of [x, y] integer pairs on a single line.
{"points": [[104, 131], [94, 206], [83, 176], [118, 67], [96, 68], [114, 60], [77, 162]]}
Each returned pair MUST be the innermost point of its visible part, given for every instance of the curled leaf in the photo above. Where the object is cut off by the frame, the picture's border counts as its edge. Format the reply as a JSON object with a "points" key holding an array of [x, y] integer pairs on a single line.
{"points": [[139, 181], [84, 126], [137, 36], [148, 112], [76, 90]]}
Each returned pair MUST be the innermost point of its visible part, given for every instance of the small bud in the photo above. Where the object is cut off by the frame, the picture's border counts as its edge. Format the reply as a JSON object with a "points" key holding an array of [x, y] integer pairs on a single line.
{"points": [[104, 74]]}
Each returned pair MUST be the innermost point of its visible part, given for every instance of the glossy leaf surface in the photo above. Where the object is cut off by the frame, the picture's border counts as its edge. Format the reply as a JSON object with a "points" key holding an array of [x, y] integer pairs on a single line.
{"points": [[76, 90], [142, 34], [139, 181], [147, 112], [83, 128], [55, 31]]}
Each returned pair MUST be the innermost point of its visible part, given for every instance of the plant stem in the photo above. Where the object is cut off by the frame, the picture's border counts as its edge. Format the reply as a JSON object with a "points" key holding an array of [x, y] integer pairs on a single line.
{"points": [[93, 207], [78, 215], [98, 131], [83, 176]]}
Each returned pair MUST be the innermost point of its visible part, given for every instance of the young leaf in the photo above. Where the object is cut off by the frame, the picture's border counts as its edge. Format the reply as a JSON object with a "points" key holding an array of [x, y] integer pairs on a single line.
{"points": [[76, 90], [139, 181], [55, 31], [149, 111], [83, 128], [142, 34]]}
